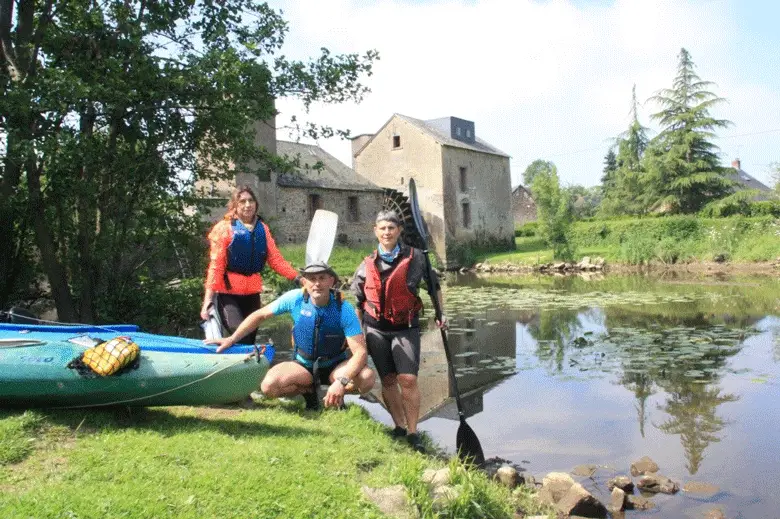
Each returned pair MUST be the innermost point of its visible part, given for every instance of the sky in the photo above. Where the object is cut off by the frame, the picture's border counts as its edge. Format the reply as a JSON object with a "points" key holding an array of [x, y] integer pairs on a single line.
{"points": [[547, 79]]}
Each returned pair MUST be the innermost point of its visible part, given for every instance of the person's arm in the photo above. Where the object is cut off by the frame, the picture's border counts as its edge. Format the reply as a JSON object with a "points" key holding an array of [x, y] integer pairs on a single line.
{"points": [[251, 322], [418, 273], [358, 289], [219, 238], [357, 345], [275, 259]]}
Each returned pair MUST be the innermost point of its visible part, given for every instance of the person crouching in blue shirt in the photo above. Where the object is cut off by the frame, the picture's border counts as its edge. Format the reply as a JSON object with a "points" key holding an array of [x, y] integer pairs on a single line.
{"points": [[329, 347]]}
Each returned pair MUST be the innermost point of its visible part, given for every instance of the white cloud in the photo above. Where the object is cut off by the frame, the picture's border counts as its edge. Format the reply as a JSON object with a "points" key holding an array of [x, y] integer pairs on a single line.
{"points": [[539, 79]]}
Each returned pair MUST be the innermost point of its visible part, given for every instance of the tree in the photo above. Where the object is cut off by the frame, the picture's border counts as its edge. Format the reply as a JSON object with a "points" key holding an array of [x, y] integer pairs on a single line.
{"points": [[775, 177], [624, 190], [584, 200], [553, 211], [112, 110], [534, 168], [610, 166], [683, 171]]}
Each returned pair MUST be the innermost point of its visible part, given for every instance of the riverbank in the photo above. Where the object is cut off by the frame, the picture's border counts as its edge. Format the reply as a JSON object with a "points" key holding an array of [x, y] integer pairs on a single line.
{"points": [[274, 460], [682, 243]]}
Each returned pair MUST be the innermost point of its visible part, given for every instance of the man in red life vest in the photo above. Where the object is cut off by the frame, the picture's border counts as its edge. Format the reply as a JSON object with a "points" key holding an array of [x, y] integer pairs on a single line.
{"points": [[386, 286]]}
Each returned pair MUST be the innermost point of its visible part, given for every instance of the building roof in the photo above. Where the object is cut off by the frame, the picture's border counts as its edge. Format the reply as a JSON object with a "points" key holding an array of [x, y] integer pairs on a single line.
{"points": [[520, 187], [333, 174], [433, 129], [447, 140], [747, 181]]}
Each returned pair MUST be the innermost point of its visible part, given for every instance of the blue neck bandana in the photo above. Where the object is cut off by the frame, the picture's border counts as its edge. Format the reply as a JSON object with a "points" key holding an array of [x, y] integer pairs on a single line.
{"points": [[388, 257]]}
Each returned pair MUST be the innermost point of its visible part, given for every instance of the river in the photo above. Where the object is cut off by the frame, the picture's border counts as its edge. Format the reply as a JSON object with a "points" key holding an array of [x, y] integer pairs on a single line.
{"points": [[563, 371]]}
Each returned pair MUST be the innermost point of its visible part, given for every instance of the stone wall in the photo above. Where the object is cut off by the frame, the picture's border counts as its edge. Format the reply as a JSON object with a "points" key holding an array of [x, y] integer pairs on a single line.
{"points": [[291, 225], [523, 206], [477, 199]]}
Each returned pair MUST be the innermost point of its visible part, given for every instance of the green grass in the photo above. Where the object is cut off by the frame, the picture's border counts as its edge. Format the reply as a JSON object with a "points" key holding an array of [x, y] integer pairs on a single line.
{"points": [[273, 461], [673, 239]]}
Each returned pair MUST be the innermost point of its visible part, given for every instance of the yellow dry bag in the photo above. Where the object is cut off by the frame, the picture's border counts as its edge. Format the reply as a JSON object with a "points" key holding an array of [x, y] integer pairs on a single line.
{"points": [[109, 357]]}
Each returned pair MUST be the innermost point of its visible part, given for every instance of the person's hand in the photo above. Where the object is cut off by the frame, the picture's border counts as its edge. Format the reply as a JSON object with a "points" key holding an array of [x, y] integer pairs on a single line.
{"points": [[204, 311], [224, 343], [442, 322], [335, 395]]}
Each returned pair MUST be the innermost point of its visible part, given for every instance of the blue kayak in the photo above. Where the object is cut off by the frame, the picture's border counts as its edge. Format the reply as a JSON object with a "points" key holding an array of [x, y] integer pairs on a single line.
{"points": [[146, 341], [37, 369]]}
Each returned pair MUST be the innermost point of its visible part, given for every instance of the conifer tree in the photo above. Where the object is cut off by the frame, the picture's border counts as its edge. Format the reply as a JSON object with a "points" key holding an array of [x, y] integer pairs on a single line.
{"points": [[683, 171]]}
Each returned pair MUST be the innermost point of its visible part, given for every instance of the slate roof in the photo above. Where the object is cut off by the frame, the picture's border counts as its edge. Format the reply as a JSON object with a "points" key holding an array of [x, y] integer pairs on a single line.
{"points": [[332, 175], [445, 139], [441, 136], [746, 181]]}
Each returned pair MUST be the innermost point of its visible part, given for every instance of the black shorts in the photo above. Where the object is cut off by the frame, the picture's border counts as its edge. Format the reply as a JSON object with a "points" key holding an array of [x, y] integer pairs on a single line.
{"points": [[323, 372], [395, 351], [233, 309]]}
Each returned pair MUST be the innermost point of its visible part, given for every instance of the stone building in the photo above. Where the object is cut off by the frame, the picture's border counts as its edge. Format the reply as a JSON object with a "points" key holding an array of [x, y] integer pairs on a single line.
{"points": [[463, 182], [287, 200], [523, 205], [323, 182]]}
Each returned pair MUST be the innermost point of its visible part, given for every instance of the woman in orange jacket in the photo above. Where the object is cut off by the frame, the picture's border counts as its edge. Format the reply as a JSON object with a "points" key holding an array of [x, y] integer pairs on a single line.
{"points": [[241, 245]]}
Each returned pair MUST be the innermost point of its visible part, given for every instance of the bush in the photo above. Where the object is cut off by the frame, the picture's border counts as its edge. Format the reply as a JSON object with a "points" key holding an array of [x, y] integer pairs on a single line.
{"points": [[526, 230]]}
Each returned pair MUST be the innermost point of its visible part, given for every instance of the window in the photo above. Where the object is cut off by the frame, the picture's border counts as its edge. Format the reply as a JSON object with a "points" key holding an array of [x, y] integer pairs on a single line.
{"points": [[457, 131], [468, 134], [466, 209], [463, 183], [315, 202], [396, 141], [352, 209]]}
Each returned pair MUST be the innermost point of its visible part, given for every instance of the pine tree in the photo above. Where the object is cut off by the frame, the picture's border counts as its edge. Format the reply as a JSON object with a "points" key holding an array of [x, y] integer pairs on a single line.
{"points": [[623, 188], [610, 166], [683, 169]]}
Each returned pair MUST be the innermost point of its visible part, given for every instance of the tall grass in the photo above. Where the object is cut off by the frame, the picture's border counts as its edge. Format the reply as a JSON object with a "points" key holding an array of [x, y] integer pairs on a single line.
{"points": [[671, 239]]}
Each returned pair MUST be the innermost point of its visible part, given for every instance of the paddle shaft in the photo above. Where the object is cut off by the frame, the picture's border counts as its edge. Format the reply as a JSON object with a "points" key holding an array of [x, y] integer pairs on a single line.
{"points": [[438, 313]]}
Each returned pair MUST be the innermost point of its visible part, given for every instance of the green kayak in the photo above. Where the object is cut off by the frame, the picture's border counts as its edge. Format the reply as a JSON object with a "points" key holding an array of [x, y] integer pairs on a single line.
{"points": [[36, 373]]}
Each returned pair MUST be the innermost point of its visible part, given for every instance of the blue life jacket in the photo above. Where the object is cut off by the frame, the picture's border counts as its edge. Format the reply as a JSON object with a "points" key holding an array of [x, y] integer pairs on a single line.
{"points": [[317, 332], [248, 249]]}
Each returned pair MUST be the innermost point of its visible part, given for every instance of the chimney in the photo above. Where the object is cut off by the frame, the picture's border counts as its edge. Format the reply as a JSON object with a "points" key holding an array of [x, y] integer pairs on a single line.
{"points": [[736, 164]]}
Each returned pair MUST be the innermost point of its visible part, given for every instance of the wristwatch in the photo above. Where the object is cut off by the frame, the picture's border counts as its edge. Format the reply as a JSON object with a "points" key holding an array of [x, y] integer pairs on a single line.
{"points": [[344, 381]]}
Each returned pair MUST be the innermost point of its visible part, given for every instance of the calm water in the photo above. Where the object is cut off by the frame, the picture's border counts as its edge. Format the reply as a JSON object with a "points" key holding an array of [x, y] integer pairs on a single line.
{"points": [[559, 372]]}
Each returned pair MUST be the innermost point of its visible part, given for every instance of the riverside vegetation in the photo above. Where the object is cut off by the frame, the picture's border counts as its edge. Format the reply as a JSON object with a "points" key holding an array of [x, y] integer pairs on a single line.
{"points": [[666, 241]]}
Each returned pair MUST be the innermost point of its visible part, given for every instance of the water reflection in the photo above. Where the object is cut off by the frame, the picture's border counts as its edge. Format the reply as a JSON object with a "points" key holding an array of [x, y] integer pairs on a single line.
{"points": [[686, 360]]}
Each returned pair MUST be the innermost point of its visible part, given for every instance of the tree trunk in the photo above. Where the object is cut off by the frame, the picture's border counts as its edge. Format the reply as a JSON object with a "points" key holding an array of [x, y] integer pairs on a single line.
{"points": [[55, 272]]}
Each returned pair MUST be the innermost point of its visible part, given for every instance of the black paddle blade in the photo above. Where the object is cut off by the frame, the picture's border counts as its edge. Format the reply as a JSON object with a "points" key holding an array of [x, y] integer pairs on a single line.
{"points": [[422, 229], [467, 443]]}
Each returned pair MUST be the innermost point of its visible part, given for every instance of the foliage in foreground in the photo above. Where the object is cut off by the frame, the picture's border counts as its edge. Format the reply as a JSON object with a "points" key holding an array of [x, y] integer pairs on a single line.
{"points": [[110, 111], [273, 461]]}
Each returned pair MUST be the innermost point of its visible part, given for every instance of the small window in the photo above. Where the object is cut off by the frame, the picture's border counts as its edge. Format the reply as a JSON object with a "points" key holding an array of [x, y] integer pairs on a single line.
{"points": [[396, 141], [463, 180], [468, 134], [457, 131], [315, 202], [352, 209], [466, 207]]}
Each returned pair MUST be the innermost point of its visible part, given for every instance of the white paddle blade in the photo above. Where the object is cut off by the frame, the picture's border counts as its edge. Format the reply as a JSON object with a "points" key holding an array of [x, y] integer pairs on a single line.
{"points": [[322, 234]]}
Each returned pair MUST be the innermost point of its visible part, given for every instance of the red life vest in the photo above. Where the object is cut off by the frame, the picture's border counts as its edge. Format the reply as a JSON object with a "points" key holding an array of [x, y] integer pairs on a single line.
{"points": [[390, 298]]}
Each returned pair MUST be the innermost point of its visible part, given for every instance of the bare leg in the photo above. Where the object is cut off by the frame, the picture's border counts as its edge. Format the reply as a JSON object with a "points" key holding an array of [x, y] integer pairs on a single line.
{"points": [[362, 383], [410, 393], [286, 379], [393, 399]]}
